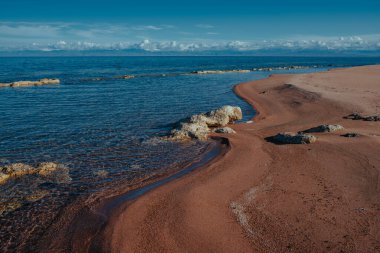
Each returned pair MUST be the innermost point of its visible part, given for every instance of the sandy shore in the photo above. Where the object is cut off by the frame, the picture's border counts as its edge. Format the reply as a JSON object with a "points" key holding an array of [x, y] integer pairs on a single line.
{"points": [[263, 197]]}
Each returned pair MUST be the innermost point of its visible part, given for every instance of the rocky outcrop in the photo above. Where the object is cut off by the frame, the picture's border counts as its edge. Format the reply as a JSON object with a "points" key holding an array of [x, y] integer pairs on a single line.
{"points": [[188, 131], [51, 171], [283, 68], [44, 81], [224, 130], [198, 126], [324, 129], [357, 116], [205, 72], [293, 138]]}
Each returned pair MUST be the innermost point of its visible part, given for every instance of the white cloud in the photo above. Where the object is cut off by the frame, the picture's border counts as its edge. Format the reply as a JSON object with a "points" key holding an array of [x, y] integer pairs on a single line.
{"points": [[147, 27], [18, 36], [345, 43], [205, 26]]}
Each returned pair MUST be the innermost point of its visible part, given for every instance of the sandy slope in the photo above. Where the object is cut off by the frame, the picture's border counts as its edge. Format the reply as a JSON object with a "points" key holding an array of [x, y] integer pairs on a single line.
{"points": [[262, 197]]}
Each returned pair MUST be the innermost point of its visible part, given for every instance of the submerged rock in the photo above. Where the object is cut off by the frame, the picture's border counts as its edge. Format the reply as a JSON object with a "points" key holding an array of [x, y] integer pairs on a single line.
{"points": [[3, 177], [128, 76], [43, 81], [49, 170], [54, 172], [9, 206], [17, 169], [37, 195], [101, 173], [224, 130], [324, 128], [198, 126], [294, 138]]}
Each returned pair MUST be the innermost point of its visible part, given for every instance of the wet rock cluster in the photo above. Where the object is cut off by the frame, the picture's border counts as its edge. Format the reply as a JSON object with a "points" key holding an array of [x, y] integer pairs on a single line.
{"points": [[200, 125]]}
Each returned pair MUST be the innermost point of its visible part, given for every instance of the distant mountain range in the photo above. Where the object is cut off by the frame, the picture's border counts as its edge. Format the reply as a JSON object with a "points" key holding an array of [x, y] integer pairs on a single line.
{"points": [[142, 52]]}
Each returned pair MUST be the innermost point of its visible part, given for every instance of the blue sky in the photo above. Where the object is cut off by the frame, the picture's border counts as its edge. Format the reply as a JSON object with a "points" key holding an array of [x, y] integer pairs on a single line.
{"points": [[189, 25]]}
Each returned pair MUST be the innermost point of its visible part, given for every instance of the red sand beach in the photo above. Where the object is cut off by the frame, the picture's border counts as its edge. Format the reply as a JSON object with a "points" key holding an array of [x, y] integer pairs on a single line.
{"points": [[264, 197]]}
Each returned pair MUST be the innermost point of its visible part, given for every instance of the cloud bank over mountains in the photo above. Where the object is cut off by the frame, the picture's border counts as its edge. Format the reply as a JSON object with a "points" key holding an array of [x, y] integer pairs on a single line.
{"points": [[53, 37]]}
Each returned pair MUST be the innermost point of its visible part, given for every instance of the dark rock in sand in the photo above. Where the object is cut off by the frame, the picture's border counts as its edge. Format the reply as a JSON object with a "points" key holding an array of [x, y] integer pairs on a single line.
{"points": [[324, 128], [350, 135], [293, 138], [224, 130], [357, 116]]}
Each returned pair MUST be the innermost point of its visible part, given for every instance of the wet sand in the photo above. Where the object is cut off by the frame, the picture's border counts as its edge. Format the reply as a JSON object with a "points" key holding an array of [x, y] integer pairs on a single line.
{"points": [[263, 197]]}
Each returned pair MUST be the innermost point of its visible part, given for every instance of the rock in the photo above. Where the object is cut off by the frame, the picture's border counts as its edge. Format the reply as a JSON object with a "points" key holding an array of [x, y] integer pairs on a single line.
{"points": [[101, 173], [281, 68], [49, 170], [351, 135], [294, 138], [9, 206], [354, 116], [43, 81], [372, 118], [357, 116], [224, 130], [3, 177], [188, 131], [17, 169], [54, 172], [220, 117], [37, 195], [47, 81], [324, 128], [128, 76], [197, 126], [205, 72], [214, 120]]}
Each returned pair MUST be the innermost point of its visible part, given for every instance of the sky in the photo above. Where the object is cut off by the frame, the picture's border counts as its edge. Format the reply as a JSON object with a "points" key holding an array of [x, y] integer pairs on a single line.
{"points": [[191, 26]]}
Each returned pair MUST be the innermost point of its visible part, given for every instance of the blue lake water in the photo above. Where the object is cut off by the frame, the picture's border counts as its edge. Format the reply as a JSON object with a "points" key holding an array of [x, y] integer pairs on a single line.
{"points": [[109, 125]]}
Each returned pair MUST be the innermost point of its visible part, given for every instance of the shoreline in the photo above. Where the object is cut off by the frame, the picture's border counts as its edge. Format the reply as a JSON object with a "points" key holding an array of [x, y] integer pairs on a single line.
{"points": [[195, 214], [71, 235], [214, 209]]}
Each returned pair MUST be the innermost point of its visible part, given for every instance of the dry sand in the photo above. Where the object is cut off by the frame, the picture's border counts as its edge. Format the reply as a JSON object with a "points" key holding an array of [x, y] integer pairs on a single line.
{"points": [[263, 197]]}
